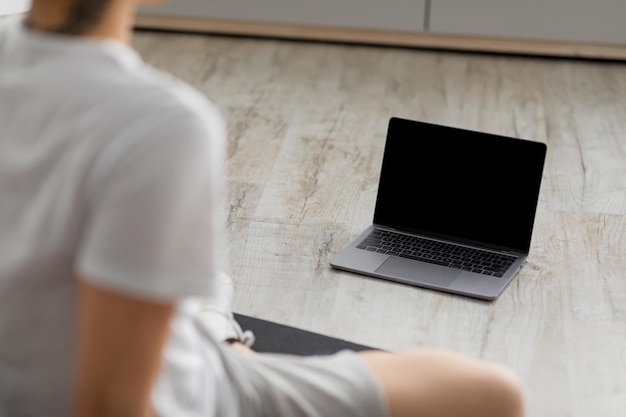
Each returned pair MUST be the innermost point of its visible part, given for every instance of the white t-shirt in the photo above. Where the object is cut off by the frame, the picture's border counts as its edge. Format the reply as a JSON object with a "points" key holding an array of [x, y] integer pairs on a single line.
{"points": [[110, 170]]}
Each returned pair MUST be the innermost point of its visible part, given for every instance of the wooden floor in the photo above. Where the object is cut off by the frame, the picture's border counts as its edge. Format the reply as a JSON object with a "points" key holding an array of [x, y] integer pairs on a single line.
{"points": [[307, 125]]}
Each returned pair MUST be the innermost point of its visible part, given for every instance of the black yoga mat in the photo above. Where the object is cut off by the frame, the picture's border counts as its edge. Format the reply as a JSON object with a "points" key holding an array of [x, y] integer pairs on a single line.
{"points": [[278, 338]]}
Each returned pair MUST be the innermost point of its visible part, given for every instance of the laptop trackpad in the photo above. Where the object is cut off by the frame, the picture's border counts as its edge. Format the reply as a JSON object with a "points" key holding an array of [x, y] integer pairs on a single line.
{"points": [[419, 272]]}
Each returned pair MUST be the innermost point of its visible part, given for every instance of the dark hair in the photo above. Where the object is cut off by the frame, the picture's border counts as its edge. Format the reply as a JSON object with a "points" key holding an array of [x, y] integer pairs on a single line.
{"points": [[82, 16]]}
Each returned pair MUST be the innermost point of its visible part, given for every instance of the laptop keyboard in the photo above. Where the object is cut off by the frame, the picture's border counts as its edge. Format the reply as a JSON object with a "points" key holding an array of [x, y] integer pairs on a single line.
{"points": [[435, 252]]}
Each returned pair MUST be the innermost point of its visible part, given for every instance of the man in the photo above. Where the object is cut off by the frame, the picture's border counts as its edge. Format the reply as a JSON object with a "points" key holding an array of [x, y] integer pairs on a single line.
{"points": [[110, 237]]}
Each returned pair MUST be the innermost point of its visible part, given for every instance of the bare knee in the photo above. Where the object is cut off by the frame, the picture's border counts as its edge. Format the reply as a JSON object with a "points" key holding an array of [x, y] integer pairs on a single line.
{"points": [[436, 383], [504, 388]]}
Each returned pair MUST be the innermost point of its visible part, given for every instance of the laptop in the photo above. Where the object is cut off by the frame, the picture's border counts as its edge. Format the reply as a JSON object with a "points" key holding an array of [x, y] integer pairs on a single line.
{"points": [[454, 211]]}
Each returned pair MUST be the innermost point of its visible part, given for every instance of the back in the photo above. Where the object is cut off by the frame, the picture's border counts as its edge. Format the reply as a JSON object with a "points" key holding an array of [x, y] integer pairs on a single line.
{"points": [[89, 138], [43, 163]]}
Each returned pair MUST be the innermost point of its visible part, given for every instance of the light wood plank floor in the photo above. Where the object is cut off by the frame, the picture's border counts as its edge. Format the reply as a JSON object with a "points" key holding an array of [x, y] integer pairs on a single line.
{"points": [[307, 125]]}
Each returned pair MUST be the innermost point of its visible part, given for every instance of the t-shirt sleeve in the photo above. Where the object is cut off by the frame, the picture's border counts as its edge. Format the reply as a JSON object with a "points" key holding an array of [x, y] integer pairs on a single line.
{"points": [[154, 199]]}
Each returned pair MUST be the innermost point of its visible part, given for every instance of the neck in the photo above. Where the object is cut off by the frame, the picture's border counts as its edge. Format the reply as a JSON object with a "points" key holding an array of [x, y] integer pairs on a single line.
{"points": [[114, 21]]}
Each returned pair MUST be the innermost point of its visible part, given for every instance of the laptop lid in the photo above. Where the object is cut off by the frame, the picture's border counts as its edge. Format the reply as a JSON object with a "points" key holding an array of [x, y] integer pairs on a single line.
{"points": [[460, 185]]}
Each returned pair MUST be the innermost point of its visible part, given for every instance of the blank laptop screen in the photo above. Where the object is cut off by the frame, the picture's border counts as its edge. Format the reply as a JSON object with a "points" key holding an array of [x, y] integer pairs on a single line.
{"points": [[448, 182]]}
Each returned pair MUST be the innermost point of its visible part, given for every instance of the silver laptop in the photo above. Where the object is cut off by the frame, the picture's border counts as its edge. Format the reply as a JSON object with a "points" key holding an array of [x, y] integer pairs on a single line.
{"points": [[454, 211]]}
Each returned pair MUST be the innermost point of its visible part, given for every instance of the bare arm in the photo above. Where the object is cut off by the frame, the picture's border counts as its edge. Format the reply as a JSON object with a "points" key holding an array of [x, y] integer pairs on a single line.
{"points": [[120, 342]]}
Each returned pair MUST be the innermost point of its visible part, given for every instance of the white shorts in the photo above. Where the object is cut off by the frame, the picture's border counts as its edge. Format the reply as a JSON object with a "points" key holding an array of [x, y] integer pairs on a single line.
{"points": [[275, 385], [201, 377]]}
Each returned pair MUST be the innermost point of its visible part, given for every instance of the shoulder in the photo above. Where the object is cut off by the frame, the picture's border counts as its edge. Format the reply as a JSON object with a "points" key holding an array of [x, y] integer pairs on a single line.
{"points": [[148, 107], [174, 95], [154, 123], [152, 95]]}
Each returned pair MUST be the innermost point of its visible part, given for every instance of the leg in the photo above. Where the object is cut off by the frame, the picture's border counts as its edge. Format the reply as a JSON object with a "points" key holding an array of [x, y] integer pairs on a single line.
{"points": [[419, 383], [434, 383], [278, 385]]}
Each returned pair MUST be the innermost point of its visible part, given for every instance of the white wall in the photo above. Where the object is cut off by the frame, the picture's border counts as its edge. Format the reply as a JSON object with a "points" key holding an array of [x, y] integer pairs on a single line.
{"points": [[13, 6]]}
